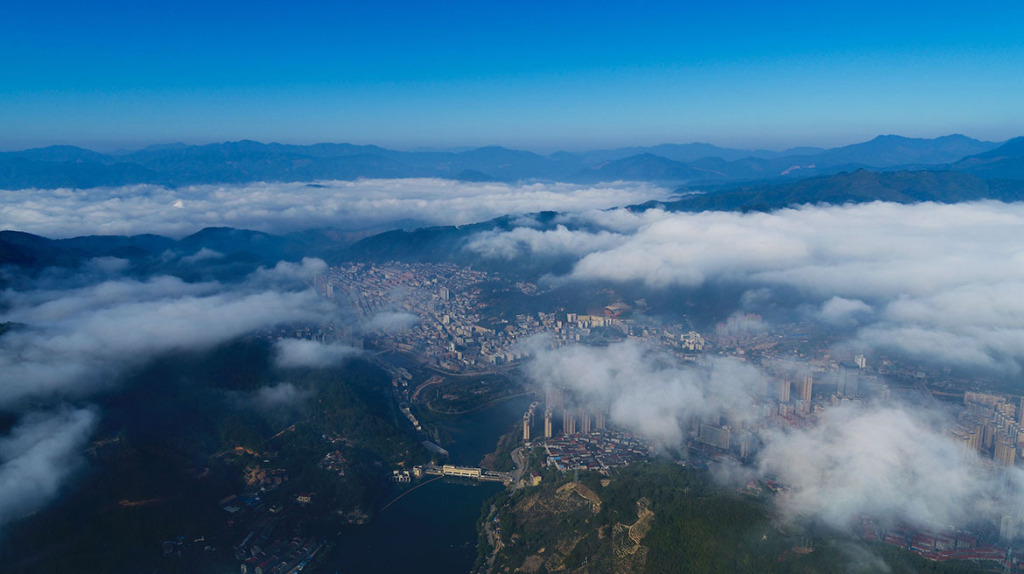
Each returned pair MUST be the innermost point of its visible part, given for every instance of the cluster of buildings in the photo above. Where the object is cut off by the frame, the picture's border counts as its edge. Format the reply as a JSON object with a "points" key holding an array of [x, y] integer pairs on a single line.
{"points": [[991, 425], [578, 438], [594, 450], [269, 543], [444, 298], [334, 462], [945, 545], [282, 557], [451, 332], [455, 332]]}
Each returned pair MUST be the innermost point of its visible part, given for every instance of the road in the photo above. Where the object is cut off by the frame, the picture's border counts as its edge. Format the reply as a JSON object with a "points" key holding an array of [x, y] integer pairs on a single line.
{"points": [[519, 458]]}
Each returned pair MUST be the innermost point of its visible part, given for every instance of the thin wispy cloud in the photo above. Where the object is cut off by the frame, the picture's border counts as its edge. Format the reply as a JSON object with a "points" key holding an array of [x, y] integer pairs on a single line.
{"points": [[38, 455], [74, 340], [78, 336]]}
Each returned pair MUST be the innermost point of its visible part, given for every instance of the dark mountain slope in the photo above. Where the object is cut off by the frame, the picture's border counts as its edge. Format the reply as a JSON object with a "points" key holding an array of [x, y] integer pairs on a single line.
{"points": [[856, 187], [1005, 161]]}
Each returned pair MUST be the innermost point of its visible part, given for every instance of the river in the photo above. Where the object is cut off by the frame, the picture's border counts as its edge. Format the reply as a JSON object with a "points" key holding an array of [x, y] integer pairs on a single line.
{"points": [[433, 529]]}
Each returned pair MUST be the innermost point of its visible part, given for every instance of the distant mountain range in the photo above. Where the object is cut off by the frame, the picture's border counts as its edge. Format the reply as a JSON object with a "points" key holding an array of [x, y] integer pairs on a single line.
{"points": [[852, 187], [673, 164]]}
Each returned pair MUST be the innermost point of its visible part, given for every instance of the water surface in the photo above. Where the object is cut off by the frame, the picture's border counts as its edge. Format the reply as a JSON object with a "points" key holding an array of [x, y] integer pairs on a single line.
{"points": [[433, 529]]}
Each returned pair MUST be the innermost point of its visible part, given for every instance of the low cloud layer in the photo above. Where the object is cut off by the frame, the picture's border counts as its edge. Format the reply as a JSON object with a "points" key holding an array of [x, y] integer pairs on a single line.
{"points": [[75, 336], [527, 242], [644, 389], [38, 455], [301, 353], [281, 395], [934, 281], [890, 462], [71, 341], [283, 207], [390, 322]]}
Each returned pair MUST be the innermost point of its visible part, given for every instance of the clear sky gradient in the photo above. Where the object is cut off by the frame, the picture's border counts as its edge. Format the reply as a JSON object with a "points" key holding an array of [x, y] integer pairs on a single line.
{"points": [[535, 75]]}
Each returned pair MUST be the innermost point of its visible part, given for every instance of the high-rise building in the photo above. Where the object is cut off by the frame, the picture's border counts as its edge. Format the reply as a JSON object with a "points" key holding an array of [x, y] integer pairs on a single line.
{"points": [[806, 388], [553, 398], [784, 390], [714, 436], [527, 422], [584, 421], [971, 431], [1006, 451], [746, 439], [885, 393], [1007, 528], [568, 422], [848, 380], [547, 423], [599, 422]]}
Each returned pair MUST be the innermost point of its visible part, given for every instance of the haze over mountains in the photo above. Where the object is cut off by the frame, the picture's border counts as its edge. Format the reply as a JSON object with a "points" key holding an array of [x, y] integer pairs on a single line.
{"points": [[249, 161]]}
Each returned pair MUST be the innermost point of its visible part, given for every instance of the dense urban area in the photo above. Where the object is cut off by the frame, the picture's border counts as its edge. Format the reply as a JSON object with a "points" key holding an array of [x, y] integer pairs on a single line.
{"points": [[452, 330]]}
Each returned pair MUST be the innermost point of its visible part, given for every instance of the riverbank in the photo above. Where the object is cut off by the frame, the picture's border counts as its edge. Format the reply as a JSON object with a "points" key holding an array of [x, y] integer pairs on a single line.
{"points": [[433, 529]]}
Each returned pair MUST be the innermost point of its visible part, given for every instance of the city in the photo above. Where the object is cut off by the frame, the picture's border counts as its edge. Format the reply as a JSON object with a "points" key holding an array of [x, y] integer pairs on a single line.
{"points": [[455, 332]]}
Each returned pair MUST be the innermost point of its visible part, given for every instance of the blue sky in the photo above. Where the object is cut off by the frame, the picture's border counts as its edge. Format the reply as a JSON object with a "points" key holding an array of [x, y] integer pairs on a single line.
{"points": [[570, 75]]}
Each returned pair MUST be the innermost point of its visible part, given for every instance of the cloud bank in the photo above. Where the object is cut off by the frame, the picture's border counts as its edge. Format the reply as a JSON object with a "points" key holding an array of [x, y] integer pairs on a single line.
{"points": [[935, 281], [75, 336], [644, 389], [283, 207], [889, 462], [74, 340]]}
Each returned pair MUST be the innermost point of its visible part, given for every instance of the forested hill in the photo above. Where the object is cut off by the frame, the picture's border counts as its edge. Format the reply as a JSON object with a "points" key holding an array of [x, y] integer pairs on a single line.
{"points": [[659, 517]]}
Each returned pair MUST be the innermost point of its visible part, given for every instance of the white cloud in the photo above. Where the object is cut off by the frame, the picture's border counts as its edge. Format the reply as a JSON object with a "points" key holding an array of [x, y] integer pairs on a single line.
{"points": [[204, 254], [280, 395], [282, 207], [524, 241], [939, 281], [37, 456], [302, 353], [391, 321], [79, 338], [842, 311], [644, 389], [888, 463], [288, 272]]}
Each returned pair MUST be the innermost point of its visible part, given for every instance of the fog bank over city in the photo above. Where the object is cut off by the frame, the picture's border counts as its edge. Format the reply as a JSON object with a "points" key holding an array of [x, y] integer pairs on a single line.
{"points": [[926, 282], [934, 281], [890, 461]]}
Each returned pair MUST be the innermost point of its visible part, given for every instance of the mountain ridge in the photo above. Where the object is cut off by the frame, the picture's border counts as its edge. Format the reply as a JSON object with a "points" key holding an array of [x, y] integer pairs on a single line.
{"points": [[247, 161]]}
